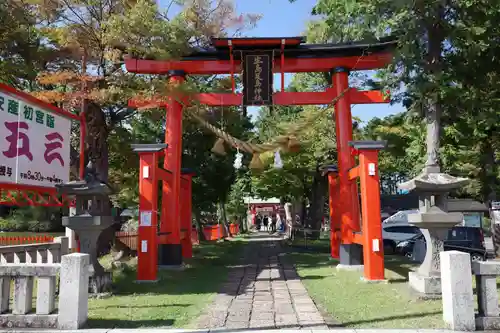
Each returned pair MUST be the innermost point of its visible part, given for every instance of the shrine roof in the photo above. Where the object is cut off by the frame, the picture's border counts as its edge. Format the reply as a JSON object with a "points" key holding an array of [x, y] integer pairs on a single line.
{"points": [[294, 48], [257, 42], [298, 56]]}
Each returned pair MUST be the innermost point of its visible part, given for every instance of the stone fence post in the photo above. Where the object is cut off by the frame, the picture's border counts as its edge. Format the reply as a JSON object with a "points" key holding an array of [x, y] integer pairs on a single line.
{"points": [[74, 291], [64, 241], [456, 286], [486, 273]]}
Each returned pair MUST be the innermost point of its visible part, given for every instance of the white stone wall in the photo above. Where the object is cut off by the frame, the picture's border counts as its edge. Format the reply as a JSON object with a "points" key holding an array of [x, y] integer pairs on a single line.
{"points": [[73, 293]]}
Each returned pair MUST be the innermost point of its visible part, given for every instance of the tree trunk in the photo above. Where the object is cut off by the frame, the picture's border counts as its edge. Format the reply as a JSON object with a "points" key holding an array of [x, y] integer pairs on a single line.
{"points": [[199, 225], [97, 140], [316, 208], [317, 204], [288, 213], [121, 249], [97, 152], [297, 210], [433, 136], [303, 211], [223, 218], [435, 35], [241, 222], [489, 180], [74, 163]]}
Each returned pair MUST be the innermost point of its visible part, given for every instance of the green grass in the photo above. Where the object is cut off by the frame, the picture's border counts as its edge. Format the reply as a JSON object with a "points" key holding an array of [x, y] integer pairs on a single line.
{"points": [[175, 300], [356, 304], [342, 296]]}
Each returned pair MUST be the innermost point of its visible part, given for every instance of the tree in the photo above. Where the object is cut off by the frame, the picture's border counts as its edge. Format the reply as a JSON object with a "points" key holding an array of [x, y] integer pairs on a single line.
{"points": [[236, 207], [91, 39], [22, 50], [299, 181], [458, 35], [403, 158], [215, 174]]}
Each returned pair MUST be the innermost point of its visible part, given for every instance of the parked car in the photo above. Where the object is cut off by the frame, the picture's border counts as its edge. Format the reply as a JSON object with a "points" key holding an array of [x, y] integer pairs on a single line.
{"points": [[400, 217], [465, 239], [397, 232]]}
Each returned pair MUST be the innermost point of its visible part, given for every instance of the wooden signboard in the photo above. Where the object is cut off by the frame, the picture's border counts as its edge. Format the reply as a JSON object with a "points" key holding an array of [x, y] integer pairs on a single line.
{"points": [[257, 78]]}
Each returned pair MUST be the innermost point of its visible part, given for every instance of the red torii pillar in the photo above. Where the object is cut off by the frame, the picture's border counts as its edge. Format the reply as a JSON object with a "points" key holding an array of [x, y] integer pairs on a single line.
{"points": [[350, 254], [335, 225], [371, 236], [186, 213], [147, 252], [253, 214], [170, 252]]}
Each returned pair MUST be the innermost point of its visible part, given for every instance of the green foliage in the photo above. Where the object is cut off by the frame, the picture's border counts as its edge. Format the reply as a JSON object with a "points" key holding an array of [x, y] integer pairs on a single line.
{"points": [[242, 187], [445, 60], [11, 224], [406, 144], [22, 51], [104, 33], [34, 219]]}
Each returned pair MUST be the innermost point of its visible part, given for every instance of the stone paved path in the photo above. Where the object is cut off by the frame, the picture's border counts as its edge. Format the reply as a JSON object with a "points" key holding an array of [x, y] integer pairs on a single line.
{"points": [[265, 292]]}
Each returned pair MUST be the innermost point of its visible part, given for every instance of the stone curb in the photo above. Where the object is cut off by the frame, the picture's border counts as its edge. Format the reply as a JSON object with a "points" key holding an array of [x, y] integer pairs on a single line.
{"points": [[168, 330]]}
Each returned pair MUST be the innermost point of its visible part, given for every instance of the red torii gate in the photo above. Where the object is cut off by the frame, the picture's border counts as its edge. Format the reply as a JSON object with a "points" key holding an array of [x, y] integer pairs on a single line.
{"points": [[284, 55]]}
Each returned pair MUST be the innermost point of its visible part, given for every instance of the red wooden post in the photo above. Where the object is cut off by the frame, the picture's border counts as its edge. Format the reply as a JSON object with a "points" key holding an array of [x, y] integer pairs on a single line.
{"points": [[350, 253], [254, 215], [147, 247], [335, 224], [333, 200], [373, 249], [185, 243], [186, 208], [171, 253]]}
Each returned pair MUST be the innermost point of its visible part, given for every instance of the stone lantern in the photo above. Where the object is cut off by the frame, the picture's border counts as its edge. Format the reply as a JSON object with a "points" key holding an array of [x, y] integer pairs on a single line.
{"points": [[92, 217], [434, 220]]}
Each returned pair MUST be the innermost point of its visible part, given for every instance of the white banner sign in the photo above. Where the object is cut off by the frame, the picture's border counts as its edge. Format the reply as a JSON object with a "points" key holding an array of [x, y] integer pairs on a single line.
{"points": [[34, 143], [146, 218]]}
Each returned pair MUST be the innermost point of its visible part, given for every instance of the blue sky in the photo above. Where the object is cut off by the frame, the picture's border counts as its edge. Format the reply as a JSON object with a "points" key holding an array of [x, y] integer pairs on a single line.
{"points": [[280, 18]]}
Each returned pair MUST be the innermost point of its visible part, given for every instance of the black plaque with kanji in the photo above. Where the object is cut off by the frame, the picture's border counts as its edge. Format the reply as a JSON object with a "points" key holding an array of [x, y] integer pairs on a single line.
{"points": [[258, 78]]}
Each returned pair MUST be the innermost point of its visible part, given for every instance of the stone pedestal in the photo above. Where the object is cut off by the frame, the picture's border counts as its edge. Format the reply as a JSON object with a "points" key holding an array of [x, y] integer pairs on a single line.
{"points": [[351, 255], [434, 221], [427, 287], [434, 225], [89, 228], [169, 255], [91, 217]]}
